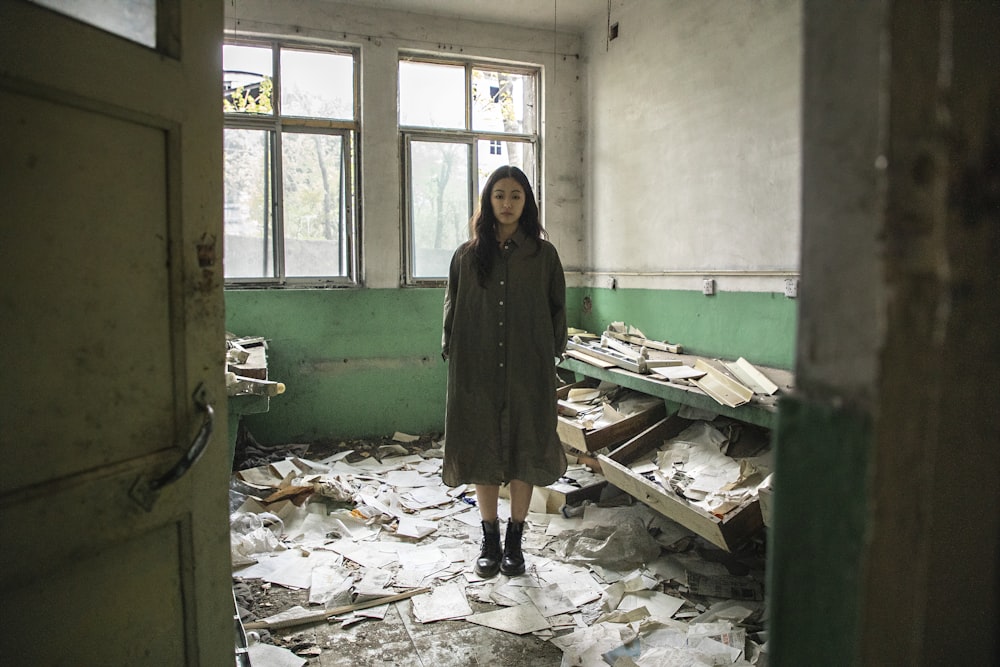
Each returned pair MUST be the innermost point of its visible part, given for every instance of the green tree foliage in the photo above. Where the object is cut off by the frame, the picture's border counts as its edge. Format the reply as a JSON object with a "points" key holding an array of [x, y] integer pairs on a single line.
{"points": [[242, 100]]}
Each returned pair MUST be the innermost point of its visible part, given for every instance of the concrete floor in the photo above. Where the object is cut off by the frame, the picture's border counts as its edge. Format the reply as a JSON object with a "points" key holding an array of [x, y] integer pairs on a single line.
{"points": [[401, 641]]}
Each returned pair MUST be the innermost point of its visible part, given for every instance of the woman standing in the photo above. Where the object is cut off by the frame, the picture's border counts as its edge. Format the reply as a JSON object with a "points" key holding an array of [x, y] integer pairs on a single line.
{"points": [[504, 326]]}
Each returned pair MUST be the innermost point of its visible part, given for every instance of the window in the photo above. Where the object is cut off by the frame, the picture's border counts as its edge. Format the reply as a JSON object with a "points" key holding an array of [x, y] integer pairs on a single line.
{"points": [[458, 122], [290, 148]]}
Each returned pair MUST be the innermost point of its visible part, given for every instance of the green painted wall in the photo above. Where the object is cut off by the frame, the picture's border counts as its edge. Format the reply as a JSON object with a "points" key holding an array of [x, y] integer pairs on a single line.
{"points": [[757, 326], [359, 362], [367, 362]]}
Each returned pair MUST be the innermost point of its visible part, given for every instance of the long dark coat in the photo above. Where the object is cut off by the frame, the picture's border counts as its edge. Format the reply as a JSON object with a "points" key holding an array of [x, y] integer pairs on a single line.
{"points": [[501, 343]]}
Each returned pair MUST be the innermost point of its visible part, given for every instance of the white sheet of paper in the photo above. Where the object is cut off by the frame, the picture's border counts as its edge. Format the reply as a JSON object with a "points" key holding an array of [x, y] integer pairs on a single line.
{"points": [[444, 602], [550, 600], [420, 556], [378, 612], [659, 605], [426, 496], [518, 620], [509, 596], [407, 479], [407, 460], [311, 529], [297, 572], [417, 528], [386, 504], [364, 554], [428, 466], [330, 583], [269, 655], [677, 372], [338, 456]]}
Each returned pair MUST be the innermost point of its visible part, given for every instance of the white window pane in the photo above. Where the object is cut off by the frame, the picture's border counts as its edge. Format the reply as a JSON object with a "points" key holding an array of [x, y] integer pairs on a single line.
{"points": [[247, 74], [431, 95], [440, 204], [493, 154], [317, 84], [248, 204], [131, 19], [315, 234], [503, 102]]}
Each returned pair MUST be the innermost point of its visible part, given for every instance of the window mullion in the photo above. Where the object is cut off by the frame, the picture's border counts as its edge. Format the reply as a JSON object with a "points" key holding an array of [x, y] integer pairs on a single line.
{"points": [[468, 96], [345, 234], [277, 215]]}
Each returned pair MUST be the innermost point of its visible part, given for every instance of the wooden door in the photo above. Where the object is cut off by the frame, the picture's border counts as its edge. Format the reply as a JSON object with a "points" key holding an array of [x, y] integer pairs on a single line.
{"points": [[111, 319]]}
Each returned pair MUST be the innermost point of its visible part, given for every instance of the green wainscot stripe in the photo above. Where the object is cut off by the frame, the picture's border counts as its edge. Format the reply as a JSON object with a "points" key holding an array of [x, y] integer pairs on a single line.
{"points": [[355, 362], [760, 326], [366, 362]]}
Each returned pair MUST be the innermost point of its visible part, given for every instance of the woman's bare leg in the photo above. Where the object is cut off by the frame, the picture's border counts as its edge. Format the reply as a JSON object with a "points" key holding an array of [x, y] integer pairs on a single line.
{"points": [[520, 499], [487, 497]]}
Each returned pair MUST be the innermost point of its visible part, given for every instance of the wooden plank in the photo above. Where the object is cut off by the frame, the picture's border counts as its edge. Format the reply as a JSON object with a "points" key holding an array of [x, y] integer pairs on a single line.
{"points": [[330, 613]]}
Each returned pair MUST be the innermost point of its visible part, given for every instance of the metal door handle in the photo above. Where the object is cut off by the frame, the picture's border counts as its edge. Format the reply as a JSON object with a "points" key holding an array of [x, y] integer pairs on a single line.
{"points": [[145, 492]]}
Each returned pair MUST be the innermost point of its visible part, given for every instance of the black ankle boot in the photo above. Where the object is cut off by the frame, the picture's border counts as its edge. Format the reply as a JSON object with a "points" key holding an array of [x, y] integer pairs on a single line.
{"points": [[513, 560], [488, 563]]}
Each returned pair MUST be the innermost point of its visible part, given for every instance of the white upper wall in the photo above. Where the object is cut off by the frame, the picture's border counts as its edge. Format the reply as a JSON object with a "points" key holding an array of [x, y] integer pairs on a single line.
{"points": [[381, 35], [693, 144], [670, 154]]}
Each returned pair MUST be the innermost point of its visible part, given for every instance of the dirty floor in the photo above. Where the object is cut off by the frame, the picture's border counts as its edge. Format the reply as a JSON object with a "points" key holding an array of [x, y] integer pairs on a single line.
{"points": [[399, 639]]}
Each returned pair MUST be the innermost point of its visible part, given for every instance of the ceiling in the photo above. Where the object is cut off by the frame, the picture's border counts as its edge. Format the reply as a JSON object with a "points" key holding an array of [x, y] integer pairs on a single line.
{"points": [[566, 15]]}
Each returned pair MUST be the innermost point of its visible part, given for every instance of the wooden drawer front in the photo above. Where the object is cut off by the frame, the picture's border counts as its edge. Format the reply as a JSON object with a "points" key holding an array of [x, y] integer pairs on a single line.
{"points": [[728, 533]]}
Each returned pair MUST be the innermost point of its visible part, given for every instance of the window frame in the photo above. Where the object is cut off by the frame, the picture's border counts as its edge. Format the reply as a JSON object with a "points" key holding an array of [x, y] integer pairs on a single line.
{"points": [[277, 125], [410, 133]]}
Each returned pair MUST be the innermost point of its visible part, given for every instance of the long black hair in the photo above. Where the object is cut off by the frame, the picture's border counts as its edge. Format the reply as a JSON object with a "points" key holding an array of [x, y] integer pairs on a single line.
{"points": [[483, 226]]}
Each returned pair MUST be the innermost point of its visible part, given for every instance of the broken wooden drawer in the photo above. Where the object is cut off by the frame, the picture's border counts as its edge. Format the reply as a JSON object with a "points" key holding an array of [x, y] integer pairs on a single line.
{"points": [[578, 436], [555, 496], [727, 532]]}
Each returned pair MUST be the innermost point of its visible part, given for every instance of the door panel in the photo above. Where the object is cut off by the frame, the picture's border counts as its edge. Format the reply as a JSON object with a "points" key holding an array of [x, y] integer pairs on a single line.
{"points": [[111, 316], [102, 639], [85, 173]]}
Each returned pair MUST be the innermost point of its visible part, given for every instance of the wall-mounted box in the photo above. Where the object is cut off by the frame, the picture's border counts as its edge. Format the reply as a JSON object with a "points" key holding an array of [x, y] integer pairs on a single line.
{"points": [[572, 433], [727, 532]]}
